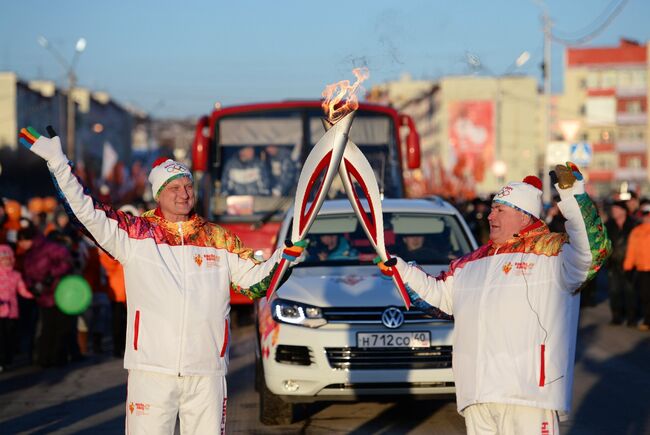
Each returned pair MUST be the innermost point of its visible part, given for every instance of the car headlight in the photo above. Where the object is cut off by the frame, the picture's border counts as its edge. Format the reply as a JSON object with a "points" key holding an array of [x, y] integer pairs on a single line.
{"points": [[296, 313]]}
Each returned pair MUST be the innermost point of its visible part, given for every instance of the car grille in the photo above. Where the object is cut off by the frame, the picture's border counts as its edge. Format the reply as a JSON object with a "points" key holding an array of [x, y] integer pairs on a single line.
{"points": [[357, 358], [372, 316], [297, 355]]}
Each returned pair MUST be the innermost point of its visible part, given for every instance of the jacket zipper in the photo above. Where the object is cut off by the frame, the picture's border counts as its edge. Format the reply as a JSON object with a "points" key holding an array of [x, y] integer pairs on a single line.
{"points": [[180, 341]]}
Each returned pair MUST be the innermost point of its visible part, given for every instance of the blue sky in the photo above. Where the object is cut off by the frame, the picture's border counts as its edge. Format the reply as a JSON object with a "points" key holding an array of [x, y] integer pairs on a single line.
{"points": [[179, 58]]}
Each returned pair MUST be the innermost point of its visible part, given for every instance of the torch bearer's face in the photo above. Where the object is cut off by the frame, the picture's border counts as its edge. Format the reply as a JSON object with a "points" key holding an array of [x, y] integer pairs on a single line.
{"points": [[341, 98]]}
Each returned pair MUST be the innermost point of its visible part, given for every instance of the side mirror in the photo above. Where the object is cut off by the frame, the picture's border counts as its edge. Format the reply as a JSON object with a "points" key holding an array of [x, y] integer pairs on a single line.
{"points": [[413, 157]]}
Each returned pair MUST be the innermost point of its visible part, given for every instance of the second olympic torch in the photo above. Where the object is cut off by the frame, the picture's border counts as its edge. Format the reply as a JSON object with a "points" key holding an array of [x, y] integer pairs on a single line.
{"points": [[316, 177], [336, 153]]}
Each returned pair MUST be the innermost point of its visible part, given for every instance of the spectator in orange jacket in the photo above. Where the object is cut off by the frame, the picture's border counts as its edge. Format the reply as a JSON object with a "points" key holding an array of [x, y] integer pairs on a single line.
{"points": [[637, 257]]}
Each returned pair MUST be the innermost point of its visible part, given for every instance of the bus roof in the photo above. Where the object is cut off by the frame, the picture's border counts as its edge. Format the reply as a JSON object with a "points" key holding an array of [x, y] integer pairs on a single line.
{"points": [[294, 104]]}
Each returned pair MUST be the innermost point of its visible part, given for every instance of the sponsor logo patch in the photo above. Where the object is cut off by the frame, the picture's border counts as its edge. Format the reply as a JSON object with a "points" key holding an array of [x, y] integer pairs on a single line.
{"points": [[523, 267], [507, 268], [198, 260], [211, 260], [139, 408]]}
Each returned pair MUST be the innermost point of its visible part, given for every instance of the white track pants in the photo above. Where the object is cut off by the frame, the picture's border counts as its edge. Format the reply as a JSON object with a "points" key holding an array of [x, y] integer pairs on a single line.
{"points": [[154, 400], [504, 419]]}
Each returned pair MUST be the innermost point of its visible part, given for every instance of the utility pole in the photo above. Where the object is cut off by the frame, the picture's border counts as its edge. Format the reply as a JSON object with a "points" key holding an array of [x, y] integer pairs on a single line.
{"points": [[72, 83], [70, 118], [546, 178]]}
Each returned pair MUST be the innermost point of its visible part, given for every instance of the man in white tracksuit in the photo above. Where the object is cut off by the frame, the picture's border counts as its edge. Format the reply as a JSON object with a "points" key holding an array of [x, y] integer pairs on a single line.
{"points": [[178, 271], [515, 301]]}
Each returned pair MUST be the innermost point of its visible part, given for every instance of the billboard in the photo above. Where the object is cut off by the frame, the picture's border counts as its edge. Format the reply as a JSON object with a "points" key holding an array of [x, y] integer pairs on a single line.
{"points": [[471, 134]]}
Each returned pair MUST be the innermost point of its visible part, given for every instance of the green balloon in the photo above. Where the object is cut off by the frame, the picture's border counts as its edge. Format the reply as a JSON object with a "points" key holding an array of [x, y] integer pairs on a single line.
{"points": [[73, 295]]}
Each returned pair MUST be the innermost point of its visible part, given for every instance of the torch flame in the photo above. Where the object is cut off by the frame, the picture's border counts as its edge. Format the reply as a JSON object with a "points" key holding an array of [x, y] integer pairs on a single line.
{"points": [[341, 98]]}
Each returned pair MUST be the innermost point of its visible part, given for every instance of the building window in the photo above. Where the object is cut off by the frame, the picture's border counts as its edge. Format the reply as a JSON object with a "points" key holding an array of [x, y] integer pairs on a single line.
{"points": [[634, 162], [633, 106], [608, 79], [604, 161], [606, 136], [592, 80], [582, 83], [638, 79]]}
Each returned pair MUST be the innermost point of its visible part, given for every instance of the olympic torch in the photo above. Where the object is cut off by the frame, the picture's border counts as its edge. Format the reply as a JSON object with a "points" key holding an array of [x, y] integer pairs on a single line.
{"points": [[322, 163], [355, 167]]}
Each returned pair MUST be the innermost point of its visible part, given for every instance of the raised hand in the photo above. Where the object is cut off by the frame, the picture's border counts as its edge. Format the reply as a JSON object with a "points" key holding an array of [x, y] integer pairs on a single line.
{"points": [[386, 267], [565, 176], [44, 147], [293, 251]]}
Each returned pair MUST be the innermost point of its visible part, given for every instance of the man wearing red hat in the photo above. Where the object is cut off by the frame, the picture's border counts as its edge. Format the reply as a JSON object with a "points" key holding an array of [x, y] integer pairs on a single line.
{"points": [[178, 270], [515, 301]]}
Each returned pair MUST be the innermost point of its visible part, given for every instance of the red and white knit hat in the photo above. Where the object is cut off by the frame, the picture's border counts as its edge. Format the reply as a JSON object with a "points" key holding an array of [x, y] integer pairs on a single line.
{"points": [[523, 195], [165, 170]]}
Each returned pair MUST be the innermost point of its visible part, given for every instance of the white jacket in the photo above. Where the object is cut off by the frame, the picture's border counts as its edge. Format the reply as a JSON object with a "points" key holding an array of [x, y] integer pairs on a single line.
{"points": [[177, 278], [509, 300]]}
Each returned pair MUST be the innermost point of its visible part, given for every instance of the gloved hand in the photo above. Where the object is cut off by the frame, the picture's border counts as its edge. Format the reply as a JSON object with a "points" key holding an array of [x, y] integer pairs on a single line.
{"points": [[386, 267], [566, 177], [293, 251], [46, 148]]}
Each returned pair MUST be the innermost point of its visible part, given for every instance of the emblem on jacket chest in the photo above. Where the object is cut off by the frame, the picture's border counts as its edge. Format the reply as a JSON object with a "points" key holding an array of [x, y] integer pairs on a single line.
{"points": [[521, 267], [210, 260]]}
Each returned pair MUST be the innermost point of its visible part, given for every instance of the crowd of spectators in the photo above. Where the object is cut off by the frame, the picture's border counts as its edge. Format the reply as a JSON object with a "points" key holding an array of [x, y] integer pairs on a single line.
{"points": [[39, 245]]}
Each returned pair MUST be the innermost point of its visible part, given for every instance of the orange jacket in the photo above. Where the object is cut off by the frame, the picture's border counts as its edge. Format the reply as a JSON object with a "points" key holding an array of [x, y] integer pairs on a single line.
{"points": [[115, 273], [637, 255]]}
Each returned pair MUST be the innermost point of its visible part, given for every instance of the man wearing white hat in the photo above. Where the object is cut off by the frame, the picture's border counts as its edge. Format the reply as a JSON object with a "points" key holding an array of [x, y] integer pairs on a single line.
{"points": [[178, 271], [515, 302]]}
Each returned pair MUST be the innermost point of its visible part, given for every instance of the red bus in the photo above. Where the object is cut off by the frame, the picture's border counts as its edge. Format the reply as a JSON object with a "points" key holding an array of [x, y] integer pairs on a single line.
{"points": [[246, 161]]}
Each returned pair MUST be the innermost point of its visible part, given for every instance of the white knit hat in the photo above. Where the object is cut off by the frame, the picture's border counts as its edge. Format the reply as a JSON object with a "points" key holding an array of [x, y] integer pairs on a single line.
{"points": [[523, 195], [165, 170]]}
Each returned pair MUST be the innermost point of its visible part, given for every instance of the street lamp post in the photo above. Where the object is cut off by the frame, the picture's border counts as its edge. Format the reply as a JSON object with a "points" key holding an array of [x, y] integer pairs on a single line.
{"points": [[80, 46]]}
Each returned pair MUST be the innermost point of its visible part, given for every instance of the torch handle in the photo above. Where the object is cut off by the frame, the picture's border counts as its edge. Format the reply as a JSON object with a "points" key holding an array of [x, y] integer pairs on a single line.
{"points": [[277, 277]]}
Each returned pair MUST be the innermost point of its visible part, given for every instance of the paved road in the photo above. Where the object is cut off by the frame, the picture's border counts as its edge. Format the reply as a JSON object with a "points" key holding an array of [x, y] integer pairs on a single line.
{"points": [[611, 394]]}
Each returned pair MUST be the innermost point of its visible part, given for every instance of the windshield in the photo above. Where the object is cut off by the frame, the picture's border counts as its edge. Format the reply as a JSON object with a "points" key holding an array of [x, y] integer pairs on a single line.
{"points": [[260, 155], [425, 238]]}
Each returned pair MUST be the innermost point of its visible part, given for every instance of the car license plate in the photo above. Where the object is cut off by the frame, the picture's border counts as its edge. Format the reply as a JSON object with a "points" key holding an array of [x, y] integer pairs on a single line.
{"points": [[394, 339]]}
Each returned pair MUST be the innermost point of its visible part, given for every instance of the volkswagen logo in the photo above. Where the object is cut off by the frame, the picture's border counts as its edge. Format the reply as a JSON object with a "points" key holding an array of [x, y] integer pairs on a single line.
{"points": [[392, 318]]}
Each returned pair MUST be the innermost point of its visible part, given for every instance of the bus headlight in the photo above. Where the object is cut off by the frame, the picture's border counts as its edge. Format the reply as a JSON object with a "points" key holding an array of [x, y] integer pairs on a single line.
{"points": [[296, 313]]}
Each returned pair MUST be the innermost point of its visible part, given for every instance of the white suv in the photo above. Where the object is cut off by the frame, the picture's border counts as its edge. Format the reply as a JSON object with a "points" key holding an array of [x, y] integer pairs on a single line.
{"points": [[337, 329]]}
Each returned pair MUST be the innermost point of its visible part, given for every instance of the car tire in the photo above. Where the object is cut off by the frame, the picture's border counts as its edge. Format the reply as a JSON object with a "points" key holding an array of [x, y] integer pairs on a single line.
{"points": [[273, 410]]}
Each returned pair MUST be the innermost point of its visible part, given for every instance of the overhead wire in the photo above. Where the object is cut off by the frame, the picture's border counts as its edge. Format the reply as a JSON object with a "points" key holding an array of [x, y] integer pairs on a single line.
{"points": [[594, 33]]}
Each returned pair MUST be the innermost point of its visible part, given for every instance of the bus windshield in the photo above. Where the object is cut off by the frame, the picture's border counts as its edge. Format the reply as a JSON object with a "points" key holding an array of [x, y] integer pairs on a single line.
{"points": [[259, 156]]}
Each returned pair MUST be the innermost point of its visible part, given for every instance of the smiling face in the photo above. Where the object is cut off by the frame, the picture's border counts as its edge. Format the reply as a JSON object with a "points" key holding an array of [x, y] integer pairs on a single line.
{"points": [[176, 200], [506, 221]]}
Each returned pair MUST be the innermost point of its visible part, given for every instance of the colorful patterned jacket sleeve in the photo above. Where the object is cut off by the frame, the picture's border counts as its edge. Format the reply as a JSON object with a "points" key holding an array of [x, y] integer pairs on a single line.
{"points": [[249, 277], [588, 246]]}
